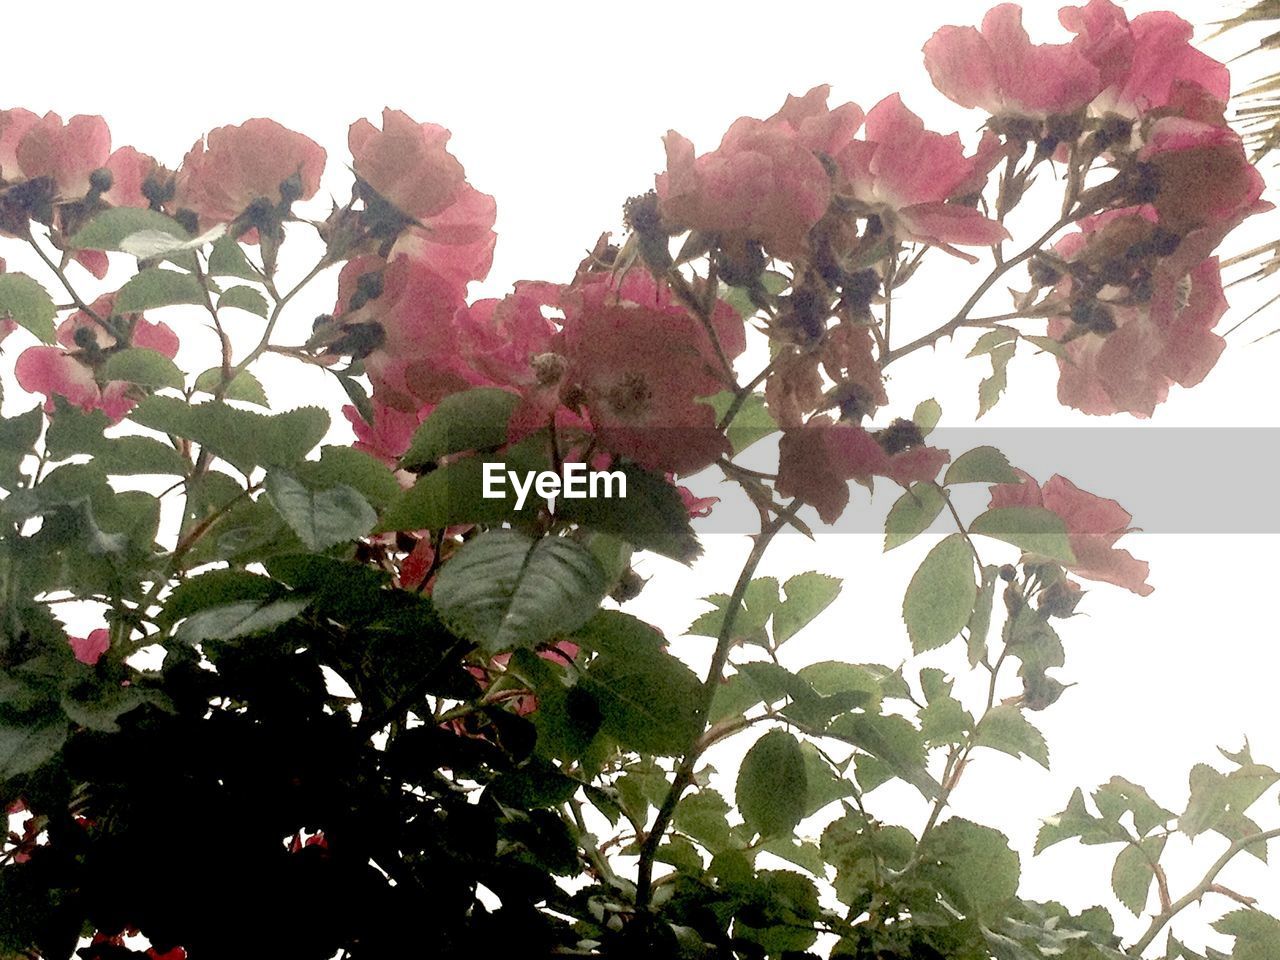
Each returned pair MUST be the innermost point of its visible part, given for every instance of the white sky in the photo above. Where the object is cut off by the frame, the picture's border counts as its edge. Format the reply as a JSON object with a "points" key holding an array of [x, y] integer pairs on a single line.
{"points": [[558, 111]]}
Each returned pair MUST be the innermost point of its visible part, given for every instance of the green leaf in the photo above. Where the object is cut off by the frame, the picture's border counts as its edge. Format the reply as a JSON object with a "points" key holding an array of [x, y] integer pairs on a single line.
{"points": [[364, 472], [758, 604], [992, 339], [320, 518], [245, 298], [912, 514], [1048, 345], [148, 368], [941, 595], [704, 816], [72, 431], [1006, 729], [808, 594], [503, 590], [1257, 934], [1035, 530], [25, 747], [650, 517], [28, 304], [212, 589], [981, 465], [617, 634], [1133, 872], [241, 619], [990, 389], [454, 494], [926, 416], [648, 703], [227, 259], [891, 739], [1118, 796], [154, 288], [242, 438], [109, 229], [772, 784], [244, 386], [978, 871], [751, 422], [1215, 795], [1077, 821], [18, 436], [474, 419]]}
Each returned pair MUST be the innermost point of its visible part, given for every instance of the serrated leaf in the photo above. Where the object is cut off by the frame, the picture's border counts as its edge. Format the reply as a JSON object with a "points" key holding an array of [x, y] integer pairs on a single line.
{"points": [[320, 518], [751, 422], [1049, 345], [941, 595], [926, 416], [28, 304], [650, 517], [242, 438], [980, 620], [892, 740], [227, 259], [1257, 934], [364, 472], [154, 288], [990, 389], [992, 339], [110, 228], [474, 419], [26, 746], [503, 590], [807, 595], [912, 514], [648, 704], [772, 785], [978, 870], [1034, 530], [244, 386], [1133, 873], [241, 619], [147, 368], [245, 298], [981, 465], [1006, 729]]}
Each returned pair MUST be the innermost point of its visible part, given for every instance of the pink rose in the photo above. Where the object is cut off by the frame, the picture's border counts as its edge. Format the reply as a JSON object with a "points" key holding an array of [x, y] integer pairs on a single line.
{"points": [[91, 648], [456, 243], [999, 70], [65, 153], [234, 166], [905, 174], [642, 361], [1205, 178], [407, 163], [14, 125], [1093, 526], [765, 181]]}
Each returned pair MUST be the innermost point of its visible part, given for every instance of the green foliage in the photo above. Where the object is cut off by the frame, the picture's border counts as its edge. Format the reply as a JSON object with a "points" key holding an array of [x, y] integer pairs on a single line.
{"points": [[941, 595], [772, 784], [154, 288], [474, 419], [27, 303]]}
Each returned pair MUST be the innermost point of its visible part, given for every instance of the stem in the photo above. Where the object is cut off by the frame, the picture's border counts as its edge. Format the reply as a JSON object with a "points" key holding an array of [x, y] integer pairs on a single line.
{"points": [[724, 643], [1161, 920], [961, 319], [62, 277], [281, 303]]}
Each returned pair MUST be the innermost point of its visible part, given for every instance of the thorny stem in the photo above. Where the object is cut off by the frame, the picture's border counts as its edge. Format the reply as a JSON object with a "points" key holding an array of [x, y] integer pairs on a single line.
{"points": [[1206, 885]]}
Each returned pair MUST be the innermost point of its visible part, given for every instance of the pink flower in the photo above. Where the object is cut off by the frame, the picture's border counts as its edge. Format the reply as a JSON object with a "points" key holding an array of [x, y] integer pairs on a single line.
{"points": [[387, 438], [1143, 63], [70, 372], [817, 461], [91, 648], [764, 182], [999, 70], [14, 125], [130, 169], [456, 243], [641, 362], [407, 163], [225, 172], [1093, 526], [65, 153], [905, 174], [695, 505]]}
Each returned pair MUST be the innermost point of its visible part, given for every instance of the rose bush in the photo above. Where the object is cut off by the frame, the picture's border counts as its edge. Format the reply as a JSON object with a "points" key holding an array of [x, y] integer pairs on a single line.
{"points": [[334, 701]]}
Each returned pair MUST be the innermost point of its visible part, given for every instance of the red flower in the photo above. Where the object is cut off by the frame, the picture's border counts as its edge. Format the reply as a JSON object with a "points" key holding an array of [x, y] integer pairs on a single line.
{"points": [[817, 461], [65, 153], [642, 362], [407, 163], [225, 172], [764, 182], [998, 69], [905, 174], [91, 648], [1093, 525]]}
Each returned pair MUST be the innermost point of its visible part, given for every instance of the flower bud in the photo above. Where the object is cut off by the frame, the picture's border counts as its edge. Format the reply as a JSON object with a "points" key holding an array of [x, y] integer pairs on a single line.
{"points": [[100, 180]]}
